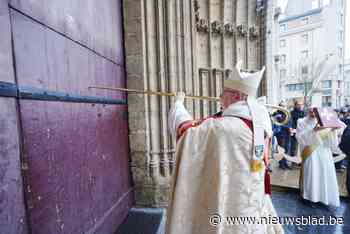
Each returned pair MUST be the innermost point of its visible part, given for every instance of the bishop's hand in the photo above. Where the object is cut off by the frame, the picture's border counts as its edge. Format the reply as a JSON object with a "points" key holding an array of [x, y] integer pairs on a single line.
{"points": [[180, 97], [178, 113]]}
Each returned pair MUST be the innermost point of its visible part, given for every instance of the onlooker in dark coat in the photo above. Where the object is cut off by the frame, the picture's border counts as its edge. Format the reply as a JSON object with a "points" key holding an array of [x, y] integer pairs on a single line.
{"points": [[296, 113], [281, 132], [345, 147], [339, 166]]}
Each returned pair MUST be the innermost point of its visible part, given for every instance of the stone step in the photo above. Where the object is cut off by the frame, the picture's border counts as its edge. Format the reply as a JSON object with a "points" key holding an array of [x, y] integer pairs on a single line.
{"points": [[143, 221]]}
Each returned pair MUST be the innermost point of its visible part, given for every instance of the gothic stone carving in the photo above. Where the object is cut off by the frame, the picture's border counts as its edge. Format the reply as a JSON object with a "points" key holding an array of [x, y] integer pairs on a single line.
{"points": [[242, 30], [253, 32], [202, 25], [217, 27], [229, 29]]}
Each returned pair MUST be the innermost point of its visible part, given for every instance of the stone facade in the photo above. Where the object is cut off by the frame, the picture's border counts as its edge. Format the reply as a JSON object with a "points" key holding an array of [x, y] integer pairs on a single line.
{"points": [[179, 45], [304, 36], [347, 82]]}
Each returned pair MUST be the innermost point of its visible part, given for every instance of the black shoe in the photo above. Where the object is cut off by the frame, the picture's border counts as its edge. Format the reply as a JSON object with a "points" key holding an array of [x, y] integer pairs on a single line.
{"points": [[308, 203], [282, 166], [295, 166], [340, 170]]}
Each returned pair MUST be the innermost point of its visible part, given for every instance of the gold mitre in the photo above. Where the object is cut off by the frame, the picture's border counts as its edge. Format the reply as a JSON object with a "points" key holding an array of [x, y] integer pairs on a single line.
{"points": [[245, 82]]}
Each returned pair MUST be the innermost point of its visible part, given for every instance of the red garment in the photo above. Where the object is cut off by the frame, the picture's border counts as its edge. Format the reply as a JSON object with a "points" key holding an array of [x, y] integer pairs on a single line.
{"points": [[190, 124]]}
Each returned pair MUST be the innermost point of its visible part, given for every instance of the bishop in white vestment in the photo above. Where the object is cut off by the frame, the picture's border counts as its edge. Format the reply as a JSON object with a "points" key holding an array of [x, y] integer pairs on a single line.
{"points": [[219, 179], [318, 180]]}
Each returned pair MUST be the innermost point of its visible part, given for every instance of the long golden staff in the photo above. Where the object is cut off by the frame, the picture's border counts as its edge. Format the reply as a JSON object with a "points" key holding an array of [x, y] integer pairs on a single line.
{"points": [[149, 92]]}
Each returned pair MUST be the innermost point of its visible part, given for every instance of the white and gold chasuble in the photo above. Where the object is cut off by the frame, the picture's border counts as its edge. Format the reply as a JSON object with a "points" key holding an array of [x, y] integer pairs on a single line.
{"points": [[213, 176]]}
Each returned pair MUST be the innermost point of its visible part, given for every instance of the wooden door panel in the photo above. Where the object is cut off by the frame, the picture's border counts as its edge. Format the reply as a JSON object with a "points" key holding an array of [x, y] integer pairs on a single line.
{"points": [[12, 211], [95, 25], [12, 208], [48, 60], [76, 154]]}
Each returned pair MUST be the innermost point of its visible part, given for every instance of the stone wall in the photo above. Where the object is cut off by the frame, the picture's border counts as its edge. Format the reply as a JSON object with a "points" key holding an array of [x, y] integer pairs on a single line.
{"points": [[174, 45]]}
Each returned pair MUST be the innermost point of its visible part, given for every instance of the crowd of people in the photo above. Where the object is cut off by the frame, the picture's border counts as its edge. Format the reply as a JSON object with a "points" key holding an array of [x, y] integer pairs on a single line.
{"points": [[292, 135], [285, 134]]}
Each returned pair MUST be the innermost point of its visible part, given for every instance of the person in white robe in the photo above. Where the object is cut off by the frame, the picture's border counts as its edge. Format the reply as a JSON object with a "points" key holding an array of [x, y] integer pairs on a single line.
{"points": [[219, 178], [318, 180]]}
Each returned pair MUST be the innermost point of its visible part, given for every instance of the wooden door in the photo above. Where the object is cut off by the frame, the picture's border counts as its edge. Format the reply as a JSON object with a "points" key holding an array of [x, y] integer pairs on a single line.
{"points": [[75, 149]]}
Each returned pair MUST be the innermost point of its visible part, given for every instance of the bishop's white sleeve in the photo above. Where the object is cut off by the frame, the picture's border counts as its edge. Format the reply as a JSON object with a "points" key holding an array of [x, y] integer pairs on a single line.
{"points": [[177, 115]]}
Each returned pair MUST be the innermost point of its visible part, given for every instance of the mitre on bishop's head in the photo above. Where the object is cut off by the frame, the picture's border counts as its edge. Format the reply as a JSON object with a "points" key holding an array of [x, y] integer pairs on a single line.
{"points": [[245, 82], [248, 83]]}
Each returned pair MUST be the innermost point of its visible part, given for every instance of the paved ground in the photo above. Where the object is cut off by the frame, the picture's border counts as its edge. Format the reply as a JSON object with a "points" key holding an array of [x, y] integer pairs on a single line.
{"points": [[290, 205], [286, 201], [290, 178], [287, 204]]}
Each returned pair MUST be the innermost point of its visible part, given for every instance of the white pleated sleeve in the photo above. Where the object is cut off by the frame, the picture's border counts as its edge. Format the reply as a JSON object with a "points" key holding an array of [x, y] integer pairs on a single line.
{"points": [[177, 115]]}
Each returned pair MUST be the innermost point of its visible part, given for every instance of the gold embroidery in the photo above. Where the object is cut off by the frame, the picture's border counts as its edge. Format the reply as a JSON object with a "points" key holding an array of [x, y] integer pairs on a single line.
{"points": [[256, 165], [308, 150]]}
